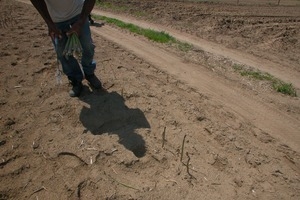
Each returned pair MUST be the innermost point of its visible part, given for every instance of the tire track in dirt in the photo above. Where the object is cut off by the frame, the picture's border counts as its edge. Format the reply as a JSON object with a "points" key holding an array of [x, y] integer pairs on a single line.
{"points": [[277, 70], [260, 114]]}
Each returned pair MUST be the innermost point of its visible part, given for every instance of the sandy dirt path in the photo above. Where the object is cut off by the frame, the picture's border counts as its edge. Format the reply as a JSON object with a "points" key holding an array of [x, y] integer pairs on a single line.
{"points": [[277, 70]]}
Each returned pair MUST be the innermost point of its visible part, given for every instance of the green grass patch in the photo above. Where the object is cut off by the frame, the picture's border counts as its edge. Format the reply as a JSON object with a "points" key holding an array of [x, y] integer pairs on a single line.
{"points": [[278, 85], [157, 36], [285, 88], [257, 75]]}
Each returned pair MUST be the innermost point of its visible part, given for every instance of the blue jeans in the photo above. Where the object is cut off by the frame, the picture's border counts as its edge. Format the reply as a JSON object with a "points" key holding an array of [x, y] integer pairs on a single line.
{"points": [[71, 66]]}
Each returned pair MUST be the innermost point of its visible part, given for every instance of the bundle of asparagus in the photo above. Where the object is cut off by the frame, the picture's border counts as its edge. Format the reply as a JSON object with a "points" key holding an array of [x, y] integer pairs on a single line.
{"points": [[73, 47]]}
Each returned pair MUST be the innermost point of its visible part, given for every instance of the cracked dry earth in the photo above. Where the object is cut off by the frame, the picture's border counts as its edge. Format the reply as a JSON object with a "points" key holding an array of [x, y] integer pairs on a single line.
{"points": [[170, 125]]}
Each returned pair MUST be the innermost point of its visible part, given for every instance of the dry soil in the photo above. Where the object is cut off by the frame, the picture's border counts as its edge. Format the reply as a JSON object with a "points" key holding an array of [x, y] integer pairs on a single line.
{"points": [[171, 124]]}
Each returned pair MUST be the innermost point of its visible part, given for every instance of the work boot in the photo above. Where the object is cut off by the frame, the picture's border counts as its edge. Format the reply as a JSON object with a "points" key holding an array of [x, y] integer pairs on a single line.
{"points": [[76, 88], [94, 81]]}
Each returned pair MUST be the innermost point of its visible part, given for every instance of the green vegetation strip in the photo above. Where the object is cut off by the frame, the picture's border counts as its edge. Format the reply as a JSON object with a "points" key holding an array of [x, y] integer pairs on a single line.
{"points": [[278, 85], [157, 36]]}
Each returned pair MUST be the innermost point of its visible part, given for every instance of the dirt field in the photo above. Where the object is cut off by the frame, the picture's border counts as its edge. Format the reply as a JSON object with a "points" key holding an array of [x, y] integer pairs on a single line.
{"points": [[172, 124]]}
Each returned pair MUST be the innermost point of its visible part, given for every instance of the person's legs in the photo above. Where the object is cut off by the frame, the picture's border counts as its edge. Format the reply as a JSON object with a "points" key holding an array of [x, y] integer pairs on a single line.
{"points": [[88, 50], [87, 62], [69, 64]]}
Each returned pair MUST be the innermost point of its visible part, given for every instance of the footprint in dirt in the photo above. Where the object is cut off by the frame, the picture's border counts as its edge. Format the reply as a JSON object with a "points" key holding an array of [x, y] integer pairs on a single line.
{"points": [[107, 113]]}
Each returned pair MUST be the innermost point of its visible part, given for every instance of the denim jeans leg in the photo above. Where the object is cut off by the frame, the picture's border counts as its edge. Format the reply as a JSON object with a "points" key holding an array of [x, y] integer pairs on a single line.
{"points": [[70, 65], [87, 62]]}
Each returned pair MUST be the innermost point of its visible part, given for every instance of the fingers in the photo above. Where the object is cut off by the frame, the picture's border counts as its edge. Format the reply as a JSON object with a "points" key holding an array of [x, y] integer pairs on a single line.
{"points": [[54, 32], [54, 35], [74, 29], [70, 32]]}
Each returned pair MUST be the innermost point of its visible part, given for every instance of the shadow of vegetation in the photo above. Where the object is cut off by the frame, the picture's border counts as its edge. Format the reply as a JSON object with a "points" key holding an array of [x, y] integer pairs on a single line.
{"points": [[107, 113]]}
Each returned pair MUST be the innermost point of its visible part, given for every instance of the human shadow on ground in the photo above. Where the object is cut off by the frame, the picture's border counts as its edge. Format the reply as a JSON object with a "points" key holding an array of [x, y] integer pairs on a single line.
{"points": [[107, 113]]}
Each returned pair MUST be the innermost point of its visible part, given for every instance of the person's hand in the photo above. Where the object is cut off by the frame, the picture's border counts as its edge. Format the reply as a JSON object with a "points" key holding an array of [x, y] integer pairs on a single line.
{"points": [[54, 32], [76, 28]]}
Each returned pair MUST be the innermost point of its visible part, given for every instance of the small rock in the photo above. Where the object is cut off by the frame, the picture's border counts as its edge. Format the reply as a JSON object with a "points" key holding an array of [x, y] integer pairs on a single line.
{"points": [[35, 145]]}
